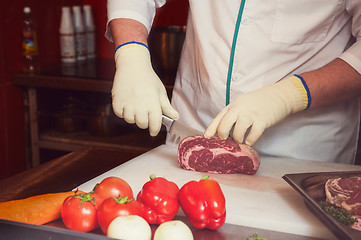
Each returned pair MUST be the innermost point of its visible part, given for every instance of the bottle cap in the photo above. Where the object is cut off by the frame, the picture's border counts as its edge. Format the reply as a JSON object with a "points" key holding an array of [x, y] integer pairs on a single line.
{"points": [[78, 19], [27, 10], [88, 16], [66, 24]]}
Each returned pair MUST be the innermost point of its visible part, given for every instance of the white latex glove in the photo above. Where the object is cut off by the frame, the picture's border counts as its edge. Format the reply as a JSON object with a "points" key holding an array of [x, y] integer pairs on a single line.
{"points": [[259, 110], [139, 96]]}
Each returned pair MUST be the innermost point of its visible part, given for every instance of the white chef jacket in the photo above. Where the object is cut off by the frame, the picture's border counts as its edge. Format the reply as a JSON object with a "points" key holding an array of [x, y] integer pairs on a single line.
{"points": [[276, 38]]}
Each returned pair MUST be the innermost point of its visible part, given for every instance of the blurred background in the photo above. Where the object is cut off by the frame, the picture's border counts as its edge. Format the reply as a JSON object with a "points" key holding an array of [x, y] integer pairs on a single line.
{"points": [[13, 139]]}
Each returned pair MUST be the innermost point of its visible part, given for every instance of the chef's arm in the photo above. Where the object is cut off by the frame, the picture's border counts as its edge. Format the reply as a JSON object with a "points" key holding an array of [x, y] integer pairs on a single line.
{"points": [[138, 95], [338, 81], [127, 30], [335, 82], [263, 108]]}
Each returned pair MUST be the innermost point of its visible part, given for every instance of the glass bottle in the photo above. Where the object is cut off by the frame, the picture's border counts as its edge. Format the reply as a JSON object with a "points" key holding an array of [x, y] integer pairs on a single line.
{"points": [[90, 31], [80, 38], [30, 53], [67, 37]]}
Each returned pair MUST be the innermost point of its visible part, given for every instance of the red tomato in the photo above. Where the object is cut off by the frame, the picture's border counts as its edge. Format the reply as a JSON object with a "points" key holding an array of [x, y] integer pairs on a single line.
{"points": [[79, 213], [97, 199], [115, 207], [113, 187]]}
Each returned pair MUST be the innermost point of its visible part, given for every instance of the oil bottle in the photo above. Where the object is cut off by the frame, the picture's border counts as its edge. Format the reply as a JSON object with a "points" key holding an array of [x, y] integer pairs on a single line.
{"points": [[30, 53]]}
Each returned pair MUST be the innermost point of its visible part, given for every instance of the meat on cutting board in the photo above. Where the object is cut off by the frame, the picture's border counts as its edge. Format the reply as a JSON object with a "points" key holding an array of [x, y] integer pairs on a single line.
{"points": [[214, 155], [345, 193]]}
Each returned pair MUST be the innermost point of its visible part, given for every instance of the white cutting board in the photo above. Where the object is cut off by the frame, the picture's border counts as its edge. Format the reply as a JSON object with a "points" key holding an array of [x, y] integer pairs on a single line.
{"points": [[263, 200]]}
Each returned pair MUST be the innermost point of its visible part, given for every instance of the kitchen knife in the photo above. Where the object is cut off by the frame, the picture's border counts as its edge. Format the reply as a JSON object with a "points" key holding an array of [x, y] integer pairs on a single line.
{"points": [[178, 130]]}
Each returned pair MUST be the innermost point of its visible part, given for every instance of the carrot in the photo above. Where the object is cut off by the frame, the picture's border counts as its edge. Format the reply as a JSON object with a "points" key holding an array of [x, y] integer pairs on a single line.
{"points": [[39, 209]]}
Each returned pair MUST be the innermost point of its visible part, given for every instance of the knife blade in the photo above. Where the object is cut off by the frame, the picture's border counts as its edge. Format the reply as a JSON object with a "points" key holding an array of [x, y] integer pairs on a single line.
{"points": [[178, 130]]}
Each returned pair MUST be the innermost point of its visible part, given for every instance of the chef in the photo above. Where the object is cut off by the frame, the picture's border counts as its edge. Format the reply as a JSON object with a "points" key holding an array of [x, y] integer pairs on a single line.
{"points": [[282, 76]]}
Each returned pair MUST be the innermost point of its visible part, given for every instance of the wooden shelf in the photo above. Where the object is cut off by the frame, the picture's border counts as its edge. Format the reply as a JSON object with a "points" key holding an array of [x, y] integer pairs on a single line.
{"points": [[137, 141], [90, 78]]}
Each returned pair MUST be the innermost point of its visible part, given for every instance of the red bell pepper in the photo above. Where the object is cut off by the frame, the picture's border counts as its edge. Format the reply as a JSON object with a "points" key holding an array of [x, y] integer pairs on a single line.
{"points": [[203, 203], [159, 197]]}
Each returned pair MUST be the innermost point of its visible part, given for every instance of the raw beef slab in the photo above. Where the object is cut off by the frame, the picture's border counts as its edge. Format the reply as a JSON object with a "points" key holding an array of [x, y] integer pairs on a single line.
{"points": [[345, 193], [214, 155]]}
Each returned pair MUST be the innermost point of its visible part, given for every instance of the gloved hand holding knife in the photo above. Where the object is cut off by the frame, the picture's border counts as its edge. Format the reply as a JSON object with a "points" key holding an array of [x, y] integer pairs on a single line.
{"points": [[139, 96]]}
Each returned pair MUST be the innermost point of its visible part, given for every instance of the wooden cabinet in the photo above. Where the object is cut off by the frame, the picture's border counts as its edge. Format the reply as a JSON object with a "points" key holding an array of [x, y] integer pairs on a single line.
{"points": [[88, 82]]}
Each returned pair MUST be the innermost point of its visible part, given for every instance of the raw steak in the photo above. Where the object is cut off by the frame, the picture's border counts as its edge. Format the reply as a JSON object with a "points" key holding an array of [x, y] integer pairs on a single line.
{"points": [[353, 204], [345, 193], [214, 155]]}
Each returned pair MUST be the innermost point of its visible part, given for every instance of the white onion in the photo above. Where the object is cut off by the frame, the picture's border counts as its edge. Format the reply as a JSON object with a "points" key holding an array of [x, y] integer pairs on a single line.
{"points": [[173, 230], [131, 227]]}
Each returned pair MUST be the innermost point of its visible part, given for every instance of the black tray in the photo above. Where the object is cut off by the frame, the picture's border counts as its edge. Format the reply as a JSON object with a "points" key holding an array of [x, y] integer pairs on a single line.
{"points": [[56, 230], [11, 230], [312, 188]]}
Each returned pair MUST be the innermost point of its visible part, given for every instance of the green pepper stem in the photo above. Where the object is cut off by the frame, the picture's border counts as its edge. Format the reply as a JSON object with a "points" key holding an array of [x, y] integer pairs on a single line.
{"points": [[205, 177]]}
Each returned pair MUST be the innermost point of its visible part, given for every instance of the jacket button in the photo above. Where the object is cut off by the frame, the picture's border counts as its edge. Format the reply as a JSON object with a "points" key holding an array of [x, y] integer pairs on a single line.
{"points": [[236, 77], [245, 20]]}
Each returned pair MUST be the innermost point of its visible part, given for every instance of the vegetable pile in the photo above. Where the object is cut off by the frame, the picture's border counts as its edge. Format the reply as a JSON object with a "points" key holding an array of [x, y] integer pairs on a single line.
{"points": [[111, 206]]}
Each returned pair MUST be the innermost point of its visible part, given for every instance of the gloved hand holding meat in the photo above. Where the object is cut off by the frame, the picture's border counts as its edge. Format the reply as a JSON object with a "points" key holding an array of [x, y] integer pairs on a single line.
{"points": [[259, 110]]}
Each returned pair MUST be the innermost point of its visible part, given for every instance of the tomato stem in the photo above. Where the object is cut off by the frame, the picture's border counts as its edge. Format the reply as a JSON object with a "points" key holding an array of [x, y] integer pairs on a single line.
{"points": [[85, 198], [122, 200]]}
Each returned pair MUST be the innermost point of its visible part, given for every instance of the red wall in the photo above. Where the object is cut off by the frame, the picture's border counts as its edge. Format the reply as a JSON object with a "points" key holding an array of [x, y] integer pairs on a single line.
{"points": [[47, 16]]}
